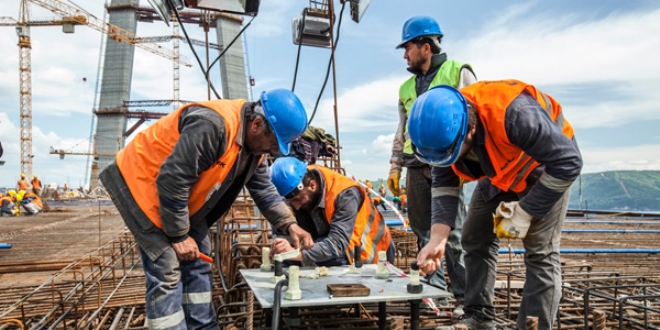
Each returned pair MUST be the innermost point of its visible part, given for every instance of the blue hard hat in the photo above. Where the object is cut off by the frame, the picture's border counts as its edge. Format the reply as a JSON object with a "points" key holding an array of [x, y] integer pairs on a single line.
{"points": [[437, 125], [419, 26], [287, 174], [285, 115]]}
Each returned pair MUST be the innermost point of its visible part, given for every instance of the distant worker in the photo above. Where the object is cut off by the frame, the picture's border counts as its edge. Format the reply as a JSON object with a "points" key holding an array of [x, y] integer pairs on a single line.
{"points": [[515, 141], [22, 183], [378, 201], [179, 176], [31, 203], [381, 190], [8, 204], [335, 210], [36, 185], [368, 184], [421, 38], [313, 143]]}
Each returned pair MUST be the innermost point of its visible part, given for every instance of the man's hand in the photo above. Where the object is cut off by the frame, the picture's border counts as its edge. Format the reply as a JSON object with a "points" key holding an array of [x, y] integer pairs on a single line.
{"points": [[434, 249], [393, 179], [280, 245], [511, 221], [297, 235], [186, 250]]}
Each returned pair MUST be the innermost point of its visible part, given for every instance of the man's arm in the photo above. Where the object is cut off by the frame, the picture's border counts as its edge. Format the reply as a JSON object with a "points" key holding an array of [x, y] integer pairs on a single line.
{"points": [[269, 202], [445, 190], [530, 128], [334, 245], [202, 140], [466, 77], [398, 142]]}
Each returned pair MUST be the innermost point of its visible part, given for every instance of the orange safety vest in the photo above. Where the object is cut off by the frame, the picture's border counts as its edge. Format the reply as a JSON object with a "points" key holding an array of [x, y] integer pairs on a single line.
{"points": [[7, 198], [370, 229], [36, 199], [36, 184], [511, 164], [140, 161], [22, 184]]}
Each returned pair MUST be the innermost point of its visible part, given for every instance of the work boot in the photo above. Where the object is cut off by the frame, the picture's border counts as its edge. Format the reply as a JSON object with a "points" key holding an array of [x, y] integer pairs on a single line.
{"points": [[473, 324], [458, 312]]}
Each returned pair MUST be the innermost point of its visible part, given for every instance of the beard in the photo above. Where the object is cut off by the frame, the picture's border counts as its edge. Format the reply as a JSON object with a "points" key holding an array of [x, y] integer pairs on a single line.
{"points": [[416, 64]]}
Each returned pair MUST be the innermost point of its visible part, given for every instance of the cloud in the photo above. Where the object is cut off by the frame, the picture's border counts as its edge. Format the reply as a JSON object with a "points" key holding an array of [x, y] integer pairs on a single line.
{"points": [[556, 50], [382, 144], [641, 157]]}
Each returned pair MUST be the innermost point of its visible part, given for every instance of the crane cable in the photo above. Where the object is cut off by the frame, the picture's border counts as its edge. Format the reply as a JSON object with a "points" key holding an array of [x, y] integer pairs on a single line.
{"points": [[327, 73]]}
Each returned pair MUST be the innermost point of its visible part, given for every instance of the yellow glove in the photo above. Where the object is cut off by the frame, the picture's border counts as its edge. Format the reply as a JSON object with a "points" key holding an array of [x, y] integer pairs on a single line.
{"points": [[393, 179], [511, 221]]}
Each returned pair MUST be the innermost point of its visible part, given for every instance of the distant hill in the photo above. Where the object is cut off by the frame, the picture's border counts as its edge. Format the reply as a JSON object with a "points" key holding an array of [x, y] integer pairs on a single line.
{"points": [[615, 191]]}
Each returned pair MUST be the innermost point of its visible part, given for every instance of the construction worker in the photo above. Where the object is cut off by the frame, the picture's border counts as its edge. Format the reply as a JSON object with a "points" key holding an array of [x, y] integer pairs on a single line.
{"points": [[368, 184], [515, 141], [382, 191], [180, 175], [8, 204], [335, 210], [31, 203], [378, 201], [23, 183], [36, 185], [421, 38]]}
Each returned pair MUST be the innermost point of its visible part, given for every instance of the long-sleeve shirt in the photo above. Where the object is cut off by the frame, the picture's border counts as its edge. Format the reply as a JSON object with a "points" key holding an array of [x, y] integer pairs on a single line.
{"points": [[331, 239], [422, 83], [529, 127], [203, 139]]}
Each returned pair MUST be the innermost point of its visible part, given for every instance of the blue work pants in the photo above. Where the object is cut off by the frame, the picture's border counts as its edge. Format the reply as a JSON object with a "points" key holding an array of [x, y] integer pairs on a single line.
{"points": [[179, 292]]}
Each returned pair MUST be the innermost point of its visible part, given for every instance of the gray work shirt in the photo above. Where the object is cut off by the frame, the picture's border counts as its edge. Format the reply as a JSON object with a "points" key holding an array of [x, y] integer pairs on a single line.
{"points": [[331, 239], [529, 127]]}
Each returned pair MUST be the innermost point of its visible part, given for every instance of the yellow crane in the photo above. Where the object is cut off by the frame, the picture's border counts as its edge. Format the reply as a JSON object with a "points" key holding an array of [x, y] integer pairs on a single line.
{"points": [[70, 16]]}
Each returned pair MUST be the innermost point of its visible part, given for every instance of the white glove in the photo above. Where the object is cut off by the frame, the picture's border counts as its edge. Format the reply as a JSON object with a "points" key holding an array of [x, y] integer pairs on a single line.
{"points": [[511, 221]]}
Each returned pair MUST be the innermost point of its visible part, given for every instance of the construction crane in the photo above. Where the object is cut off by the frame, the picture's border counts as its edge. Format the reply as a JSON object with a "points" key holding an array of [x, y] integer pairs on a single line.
{"points": [[116, 33], [70, 16]]}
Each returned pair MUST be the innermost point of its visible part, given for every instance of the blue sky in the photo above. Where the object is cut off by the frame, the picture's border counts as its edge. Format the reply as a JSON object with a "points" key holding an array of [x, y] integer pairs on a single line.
{"points": [[599, 59]]}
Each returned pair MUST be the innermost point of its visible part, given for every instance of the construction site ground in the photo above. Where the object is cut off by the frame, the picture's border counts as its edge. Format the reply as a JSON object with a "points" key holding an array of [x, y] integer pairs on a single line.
{"points": [[51, 252]]}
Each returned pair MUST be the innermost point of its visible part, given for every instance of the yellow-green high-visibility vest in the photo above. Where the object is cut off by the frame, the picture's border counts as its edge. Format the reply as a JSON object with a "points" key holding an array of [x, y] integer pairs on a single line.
{"points": [[448, 74]]}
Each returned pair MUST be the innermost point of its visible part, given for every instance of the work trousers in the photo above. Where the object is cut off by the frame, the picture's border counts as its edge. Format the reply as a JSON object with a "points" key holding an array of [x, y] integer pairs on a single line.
{"points": [[542, 289], [418, 185], [179, 292]]}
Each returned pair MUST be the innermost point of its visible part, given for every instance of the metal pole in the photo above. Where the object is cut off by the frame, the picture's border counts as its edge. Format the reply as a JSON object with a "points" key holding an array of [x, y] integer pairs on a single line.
{"points": [[331, 8]]}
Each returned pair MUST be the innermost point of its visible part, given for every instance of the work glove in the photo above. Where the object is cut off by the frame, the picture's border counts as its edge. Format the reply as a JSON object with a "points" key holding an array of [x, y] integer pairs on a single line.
{"points": [[393, 179], [511, 221]]}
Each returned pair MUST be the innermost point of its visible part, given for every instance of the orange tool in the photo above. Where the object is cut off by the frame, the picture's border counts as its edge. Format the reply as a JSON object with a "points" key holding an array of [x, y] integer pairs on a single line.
{"points": [[206, 258]]}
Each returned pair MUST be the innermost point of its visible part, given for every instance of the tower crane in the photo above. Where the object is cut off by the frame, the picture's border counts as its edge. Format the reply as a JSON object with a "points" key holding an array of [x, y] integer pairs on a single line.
{"points": [[70, 16]]}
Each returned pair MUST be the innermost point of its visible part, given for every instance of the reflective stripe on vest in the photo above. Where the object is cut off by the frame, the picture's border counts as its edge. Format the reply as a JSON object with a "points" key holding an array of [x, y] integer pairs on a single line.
{"points": [[140, 161], [370, 229], [448, 74], [511, 164]]}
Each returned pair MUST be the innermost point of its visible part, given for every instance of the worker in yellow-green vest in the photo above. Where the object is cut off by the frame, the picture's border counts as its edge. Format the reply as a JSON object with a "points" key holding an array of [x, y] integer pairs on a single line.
{"points": [[421, 37]]}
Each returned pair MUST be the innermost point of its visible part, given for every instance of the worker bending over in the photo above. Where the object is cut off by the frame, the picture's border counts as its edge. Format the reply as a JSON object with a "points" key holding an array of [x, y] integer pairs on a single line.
{"points": [[180, 175], [31, 203], [8, 205], [515, 141], [335, 210]]}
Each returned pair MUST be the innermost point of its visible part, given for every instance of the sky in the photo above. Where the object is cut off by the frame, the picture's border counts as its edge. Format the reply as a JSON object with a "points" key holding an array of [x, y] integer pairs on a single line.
{"points": [[599, 58]]}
